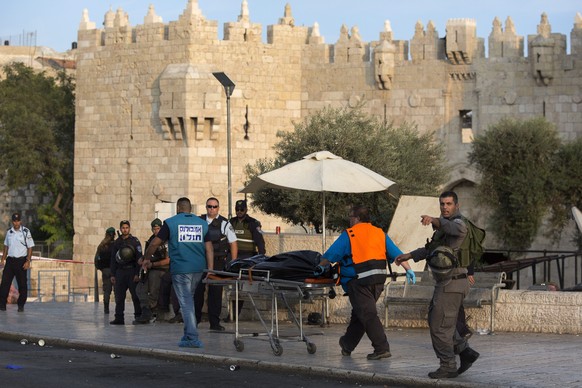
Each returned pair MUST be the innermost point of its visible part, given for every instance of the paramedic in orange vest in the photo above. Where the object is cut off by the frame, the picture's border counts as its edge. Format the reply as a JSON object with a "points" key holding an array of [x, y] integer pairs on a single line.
{"points": [[361, 252]]}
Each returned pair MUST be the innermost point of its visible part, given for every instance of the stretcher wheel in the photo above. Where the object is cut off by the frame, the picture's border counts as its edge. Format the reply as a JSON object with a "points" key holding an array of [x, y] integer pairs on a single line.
{"points": [[239, 345], [331, 294], [306, 295], [311, 348], [277, 348]]}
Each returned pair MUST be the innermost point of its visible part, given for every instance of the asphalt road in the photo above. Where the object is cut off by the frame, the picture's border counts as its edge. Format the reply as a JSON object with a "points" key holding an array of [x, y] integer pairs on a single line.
{"points": [[49, 366]]}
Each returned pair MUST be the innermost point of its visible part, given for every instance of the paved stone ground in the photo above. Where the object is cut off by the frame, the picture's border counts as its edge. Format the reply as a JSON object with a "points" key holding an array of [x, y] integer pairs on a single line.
{"points": [[507, 359]]}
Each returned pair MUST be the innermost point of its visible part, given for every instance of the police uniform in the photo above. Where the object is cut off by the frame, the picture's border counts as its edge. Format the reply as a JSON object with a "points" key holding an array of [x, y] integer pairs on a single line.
{"points": [[449, 293], [18, 245], [150, 282], [249, 238], [222, 234], [124, 274], [103, 264]]}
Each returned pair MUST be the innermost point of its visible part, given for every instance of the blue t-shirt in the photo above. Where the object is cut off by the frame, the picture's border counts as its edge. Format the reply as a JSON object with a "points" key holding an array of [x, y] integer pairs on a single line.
{"points": [[186, 234], [341, 252]]}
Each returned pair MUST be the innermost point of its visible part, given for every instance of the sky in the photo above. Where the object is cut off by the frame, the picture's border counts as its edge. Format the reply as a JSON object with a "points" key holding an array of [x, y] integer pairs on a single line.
{"points": [[54, 23]]}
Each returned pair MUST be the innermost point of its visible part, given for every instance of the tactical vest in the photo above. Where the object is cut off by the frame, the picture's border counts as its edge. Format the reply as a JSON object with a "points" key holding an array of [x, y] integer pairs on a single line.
{"points": [[216, 235], [244, 237], [368, 244], [439, 238]]}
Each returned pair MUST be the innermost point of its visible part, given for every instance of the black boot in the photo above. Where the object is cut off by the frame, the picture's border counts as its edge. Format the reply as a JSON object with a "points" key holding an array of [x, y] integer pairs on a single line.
{"points": [[145, 317], [105, 307], [468, 357], [117, 321]]}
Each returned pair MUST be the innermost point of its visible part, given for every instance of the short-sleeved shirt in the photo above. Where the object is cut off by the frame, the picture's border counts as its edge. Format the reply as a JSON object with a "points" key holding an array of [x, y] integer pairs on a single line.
{"points": [[341, 252], [186, 234], [18, 241]]}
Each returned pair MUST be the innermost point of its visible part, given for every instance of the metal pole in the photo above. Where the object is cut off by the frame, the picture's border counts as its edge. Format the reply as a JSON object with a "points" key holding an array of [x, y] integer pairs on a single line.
{"points": [[228, 152], [228, 89]]}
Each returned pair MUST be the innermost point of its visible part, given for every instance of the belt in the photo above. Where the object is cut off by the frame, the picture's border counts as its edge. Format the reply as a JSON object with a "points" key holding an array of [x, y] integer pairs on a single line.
{"points": [[16, 258], [459, 276]]}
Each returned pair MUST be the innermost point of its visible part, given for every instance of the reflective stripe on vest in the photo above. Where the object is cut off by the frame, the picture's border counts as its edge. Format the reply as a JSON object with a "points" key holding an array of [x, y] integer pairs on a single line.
{"points": [[368, 244], [244, 237]]}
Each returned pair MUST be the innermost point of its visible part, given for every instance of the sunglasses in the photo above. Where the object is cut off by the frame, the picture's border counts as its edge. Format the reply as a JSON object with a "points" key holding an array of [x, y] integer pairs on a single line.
{"points": [[211, 206], [239, 210]]}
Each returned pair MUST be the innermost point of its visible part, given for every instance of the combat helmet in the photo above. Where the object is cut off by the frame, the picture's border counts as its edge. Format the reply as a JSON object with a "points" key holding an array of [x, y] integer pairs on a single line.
{"points": [[125, 255], [442, 260]]}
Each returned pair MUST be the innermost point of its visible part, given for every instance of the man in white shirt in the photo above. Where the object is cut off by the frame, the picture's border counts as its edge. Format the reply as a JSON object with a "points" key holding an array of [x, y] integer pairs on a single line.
{"points": [[16, 258], [223, 238]]}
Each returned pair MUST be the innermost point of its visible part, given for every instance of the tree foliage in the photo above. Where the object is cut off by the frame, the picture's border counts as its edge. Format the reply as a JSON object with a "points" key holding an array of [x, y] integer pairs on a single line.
{"points": [[37, 123], [401, 154], [567, 187], [516, 160]]}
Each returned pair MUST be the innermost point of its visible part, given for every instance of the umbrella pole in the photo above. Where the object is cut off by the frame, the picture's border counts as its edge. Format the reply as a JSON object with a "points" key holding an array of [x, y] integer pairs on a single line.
{"points": [[323, 237]]}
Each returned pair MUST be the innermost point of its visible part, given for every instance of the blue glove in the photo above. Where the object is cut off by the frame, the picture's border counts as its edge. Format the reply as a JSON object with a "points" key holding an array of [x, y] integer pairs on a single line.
{"points": [[410, 276], [319, 270]]}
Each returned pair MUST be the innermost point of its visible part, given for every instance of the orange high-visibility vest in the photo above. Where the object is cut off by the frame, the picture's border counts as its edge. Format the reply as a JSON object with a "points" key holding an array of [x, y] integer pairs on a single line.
{"points": [[368, 244]]}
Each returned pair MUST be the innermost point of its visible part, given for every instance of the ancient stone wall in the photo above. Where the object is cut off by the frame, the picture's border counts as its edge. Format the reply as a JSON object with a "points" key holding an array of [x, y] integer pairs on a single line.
{"points": [[152, 121]]}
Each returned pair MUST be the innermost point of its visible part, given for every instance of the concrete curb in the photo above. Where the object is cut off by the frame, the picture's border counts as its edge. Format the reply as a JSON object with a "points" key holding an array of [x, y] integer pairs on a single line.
{"points": [[183, 355]]}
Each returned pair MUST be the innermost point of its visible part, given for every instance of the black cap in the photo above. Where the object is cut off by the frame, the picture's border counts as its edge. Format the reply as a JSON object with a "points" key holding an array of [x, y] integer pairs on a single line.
{"points": [[16, 217], [156, 222], [240, 204]]}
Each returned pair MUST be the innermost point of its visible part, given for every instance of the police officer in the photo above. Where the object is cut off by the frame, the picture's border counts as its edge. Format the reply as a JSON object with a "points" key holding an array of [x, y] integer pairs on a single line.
{"points": [[450, 290], [151, 274], [224, 241], [103, 264], [125, 253], [17, 253], [249, 236]]}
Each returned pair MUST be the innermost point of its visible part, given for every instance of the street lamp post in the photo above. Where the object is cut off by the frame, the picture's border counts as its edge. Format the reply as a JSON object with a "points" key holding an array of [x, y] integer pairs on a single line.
{"points": [[228, 89]]}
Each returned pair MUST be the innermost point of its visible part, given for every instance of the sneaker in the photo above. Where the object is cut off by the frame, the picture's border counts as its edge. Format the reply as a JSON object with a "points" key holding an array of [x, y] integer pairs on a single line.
{"points": [[440, 373], [190, 344], [20, 309], [345, 352], [468, 357], [117, 321], [379, 355], [217, 328], [2, 308]]}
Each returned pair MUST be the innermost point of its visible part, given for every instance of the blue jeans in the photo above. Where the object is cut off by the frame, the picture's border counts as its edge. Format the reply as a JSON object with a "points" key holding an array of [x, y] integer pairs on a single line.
{"points": [[184, 285]]}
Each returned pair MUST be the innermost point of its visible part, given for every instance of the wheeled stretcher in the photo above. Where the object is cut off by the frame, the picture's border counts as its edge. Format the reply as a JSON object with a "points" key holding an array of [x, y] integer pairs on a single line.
{"points": [[255, 284]]}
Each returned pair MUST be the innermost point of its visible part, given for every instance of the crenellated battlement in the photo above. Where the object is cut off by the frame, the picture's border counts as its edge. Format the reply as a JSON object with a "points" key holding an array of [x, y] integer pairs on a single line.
{"points": [[460, 45]]}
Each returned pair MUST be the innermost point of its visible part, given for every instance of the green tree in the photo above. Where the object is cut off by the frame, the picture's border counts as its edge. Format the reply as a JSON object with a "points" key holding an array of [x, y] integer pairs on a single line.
{"points": [[567, 187], [411, 159], [37, 124], [516, 160]]}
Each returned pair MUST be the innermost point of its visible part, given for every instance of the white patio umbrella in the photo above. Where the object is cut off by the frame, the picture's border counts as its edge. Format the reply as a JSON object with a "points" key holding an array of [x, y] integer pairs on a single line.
{"points": [[322, 172]]}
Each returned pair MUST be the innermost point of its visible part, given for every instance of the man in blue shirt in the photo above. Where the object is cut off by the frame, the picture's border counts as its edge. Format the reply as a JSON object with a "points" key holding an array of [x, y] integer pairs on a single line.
{"points": [[191, 253], [361, 252]]}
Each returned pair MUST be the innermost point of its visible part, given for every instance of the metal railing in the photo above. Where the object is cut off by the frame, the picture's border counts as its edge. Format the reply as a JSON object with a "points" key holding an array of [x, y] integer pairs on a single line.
{"points": [[543, 266]]}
